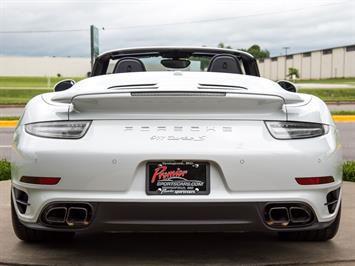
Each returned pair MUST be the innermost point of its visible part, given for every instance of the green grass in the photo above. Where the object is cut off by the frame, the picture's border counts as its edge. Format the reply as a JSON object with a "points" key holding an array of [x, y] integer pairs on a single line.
{"points": [[332, 95], [31, 82], [328, 81], [5, 170], [343, 112], [9, 118], [19, 96], [348, 170], [19, 90]]}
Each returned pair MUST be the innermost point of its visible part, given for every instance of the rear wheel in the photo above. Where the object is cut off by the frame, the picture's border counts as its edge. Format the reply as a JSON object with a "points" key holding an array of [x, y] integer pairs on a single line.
{"points": [[324, 234], [32, 235]]}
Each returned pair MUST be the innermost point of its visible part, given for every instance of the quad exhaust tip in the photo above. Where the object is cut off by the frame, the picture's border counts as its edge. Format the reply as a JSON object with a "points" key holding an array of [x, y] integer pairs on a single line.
{"points": [[279, 216], [288, 215], [299, 215], [77, 216], [56, 215], [71, 215]]}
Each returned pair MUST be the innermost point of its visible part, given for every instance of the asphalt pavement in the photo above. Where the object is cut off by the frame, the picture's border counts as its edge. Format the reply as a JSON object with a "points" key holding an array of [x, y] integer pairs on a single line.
{"points": [[347, 137], [180, 248], [342, 107], [11, 111], [6, 134]]}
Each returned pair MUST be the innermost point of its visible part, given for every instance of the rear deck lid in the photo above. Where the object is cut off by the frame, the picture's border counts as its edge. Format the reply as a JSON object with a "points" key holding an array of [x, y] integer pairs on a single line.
{"points": [[176, 95]]}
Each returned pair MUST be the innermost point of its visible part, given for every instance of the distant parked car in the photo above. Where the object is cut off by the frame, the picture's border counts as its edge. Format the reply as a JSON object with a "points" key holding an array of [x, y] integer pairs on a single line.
{"points": [[176, 139]]}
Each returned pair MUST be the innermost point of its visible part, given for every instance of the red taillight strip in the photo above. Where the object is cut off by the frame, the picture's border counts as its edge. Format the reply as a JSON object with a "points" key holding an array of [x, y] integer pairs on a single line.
{"points": [[314, 180], [39, 180]]}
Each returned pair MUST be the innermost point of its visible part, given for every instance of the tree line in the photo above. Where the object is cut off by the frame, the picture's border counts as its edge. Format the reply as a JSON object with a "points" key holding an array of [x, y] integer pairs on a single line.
{"points": [[255, 50]]}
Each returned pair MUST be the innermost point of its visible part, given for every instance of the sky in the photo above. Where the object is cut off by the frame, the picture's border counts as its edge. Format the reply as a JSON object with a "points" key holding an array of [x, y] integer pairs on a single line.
{"points": [[61, 28]]}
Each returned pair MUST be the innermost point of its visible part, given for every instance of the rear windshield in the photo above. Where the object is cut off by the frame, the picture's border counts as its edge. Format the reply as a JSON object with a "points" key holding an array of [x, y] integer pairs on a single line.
{"points": [[198, 59], [154, 63]]}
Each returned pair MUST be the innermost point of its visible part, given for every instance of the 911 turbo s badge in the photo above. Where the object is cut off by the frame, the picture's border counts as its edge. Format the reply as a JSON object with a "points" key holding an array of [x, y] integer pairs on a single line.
{"points": [[178, 138]]}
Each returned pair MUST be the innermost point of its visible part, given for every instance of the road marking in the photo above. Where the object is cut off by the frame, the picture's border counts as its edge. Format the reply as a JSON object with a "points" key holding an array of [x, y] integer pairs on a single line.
{"points": [[344, 118], [337, 118], [8, 123], [5, 146]]}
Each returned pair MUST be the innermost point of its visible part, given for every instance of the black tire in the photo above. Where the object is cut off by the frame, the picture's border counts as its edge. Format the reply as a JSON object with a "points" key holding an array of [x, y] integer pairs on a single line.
{"points": [[324, 234], [32, 235]]}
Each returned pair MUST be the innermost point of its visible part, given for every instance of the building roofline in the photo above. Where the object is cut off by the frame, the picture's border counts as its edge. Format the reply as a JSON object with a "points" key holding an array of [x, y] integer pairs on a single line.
{"points": [[311, 51]]}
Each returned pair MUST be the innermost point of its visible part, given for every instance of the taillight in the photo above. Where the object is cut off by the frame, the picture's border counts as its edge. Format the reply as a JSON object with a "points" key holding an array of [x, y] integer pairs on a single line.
{"points": [[58, 129], [295, 130], [314, 180], [40, 180]]}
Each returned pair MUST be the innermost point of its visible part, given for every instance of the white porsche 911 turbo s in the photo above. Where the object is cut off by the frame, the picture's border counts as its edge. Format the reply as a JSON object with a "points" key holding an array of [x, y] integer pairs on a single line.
{"points": [[176, 139]]}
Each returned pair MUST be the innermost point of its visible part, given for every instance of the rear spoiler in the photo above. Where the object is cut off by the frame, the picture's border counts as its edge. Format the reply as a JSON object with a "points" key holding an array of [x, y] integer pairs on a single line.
{"points": [[69, 95], [177, 105]]}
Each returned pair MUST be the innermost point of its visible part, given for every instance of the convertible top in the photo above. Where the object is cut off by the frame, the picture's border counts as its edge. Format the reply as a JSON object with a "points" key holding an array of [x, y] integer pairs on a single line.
{"points": [[102, 61]]}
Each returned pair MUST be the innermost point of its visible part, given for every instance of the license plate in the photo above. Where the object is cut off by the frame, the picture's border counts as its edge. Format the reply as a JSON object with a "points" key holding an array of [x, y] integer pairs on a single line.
{"points": [[178, 178]]}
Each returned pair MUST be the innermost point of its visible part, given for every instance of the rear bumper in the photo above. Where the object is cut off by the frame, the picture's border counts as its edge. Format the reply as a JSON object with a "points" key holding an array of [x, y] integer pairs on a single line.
{"points": [[315, 198], [179, 217]]}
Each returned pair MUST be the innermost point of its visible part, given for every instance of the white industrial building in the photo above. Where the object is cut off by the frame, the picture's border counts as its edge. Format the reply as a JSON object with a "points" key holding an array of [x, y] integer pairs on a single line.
{"points": [[337, 62], [44, 66]]}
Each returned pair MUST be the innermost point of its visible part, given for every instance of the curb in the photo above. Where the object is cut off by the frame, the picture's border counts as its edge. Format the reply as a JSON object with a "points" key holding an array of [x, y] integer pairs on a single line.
{"points": [[337, 118], [12, 105], [8, 123], [344, 118]]}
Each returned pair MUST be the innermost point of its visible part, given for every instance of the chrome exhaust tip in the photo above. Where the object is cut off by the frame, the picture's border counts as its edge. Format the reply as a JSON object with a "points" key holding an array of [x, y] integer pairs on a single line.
{"points": [[67, 214], [279, 216], [288, 214], [300, 215], [77, 216], [56, 215]]}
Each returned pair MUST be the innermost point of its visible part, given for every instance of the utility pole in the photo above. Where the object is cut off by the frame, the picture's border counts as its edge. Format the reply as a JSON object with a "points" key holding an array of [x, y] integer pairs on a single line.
{"points": [[94, 44], [286, 48]]}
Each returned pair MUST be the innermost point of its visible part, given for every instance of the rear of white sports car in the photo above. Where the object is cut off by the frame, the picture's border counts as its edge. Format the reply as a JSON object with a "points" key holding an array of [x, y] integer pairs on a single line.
{"points": [[176, 151]]}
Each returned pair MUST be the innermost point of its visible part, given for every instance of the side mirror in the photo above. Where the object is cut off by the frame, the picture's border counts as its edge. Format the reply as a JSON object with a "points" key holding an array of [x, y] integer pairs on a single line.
{"points": [[287, 85], [64, 85]]}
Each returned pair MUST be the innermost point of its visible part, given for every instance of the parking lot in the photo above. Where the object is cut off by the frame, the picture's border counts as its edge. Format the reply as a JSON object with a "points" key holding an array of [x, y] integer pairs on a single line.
{"points": [[179, 249]]}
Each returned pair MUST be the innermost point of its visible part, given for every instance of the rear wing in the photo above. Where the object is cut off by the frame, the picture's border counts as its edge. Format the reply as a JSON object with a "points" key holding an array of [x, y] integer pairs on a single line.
{"points": [[178, 105]]}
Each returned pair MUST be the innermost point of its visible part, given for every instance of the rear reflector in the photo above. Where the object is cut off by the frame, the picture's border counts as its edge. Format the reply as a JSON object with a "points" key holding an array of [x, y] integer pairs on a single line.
{"points": [[314, 180], [38, 180]]}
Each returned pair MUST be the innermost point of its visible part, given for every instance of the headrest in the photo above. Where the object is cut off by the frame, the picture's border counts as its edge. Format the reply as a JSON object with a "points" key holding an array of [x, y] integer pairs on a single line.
{"points": [[225, 63], [129, 64]]}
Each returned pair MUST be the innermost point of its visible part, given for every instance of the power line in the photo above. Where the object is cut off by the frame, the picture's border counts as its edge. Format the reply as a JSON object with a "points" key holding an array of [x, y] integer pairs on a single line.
{"points": [[41, 31], [220, 19], [168, 24]]}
